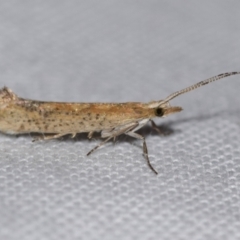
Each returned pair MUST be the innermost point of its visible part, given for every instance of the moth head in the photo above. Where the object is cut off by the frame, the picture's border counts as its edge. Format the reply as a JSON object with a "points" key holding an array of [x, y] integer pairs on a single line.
{"points": [[164, 109]]}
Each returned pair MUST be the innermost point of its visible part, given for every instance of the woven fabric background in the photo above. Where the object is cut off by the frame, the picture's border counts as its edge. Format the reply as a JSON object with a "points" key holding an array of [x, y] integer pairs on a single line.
{"points": [[119, 51]]}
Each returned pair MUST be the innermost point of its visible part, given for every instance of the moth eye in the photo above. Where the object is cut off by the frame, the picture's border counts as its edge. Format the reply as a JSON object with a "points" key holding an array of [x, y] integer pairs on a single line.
{"points": [[159, 112]]}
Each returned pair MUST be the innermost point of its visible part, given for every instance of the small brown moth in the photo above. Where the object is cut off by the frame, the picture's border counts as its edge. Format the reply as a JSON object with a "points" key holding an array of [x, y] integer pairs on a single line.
{"points": [[56, 119]]}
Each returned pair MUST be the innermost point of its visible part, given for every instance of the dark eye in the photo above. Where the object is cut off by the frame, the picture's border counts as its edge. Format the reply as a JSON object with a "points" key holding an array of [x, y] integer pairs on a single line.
{"points": [[159, 112]]}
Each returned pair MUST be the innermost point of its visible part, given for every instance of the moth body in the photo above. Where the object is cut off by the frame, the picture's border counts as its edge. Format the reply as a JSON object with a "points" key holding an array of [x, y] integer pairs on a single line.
{"points": [[18, 115]]}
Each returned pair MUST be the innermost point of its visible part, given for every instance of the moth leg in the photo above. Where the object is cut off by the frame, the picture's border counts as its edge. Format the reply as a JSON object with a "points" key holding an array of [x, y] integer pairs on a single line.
{"points": [[90, 134], [73, 135], [159, 131], [48, 137], [155, 127], [113, 134], [145, 150], [99, 145]]}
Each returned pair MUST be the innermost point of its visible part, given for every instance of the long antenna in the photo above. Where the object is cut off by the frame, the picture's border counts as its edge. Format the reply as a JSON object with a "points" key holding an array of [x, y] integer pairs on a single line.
{"points": [[197, 85]]}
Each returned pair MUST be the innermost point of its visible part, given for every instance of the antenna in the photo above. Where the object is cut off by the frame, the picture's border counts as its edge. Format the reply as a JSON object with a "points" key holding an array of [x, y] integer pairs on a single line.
{"points": [[197, 85]]}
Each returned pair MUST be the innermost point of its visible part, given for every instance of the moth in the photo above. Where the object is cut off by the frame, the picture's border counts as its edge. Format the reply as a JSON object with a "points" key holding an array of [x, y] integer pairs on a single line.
{"points": [[56, 119]]}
